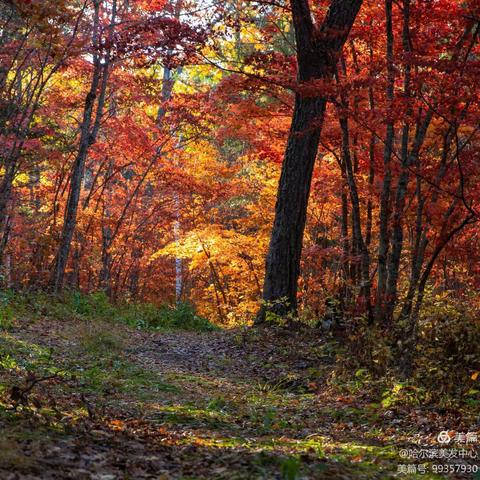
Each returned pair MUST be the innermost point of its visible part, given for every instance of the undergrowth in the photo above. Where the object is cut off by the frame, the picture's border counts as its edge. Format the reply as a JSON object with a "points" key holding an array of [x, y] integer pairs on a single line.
{"points": [[96, 306]]}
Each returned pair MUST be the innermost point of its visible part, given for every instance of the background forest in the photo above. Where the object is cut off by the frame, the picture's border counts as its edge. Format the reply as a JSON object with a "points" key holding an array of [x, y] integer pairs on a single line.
{"points": [[141, 149], [141, 146]]}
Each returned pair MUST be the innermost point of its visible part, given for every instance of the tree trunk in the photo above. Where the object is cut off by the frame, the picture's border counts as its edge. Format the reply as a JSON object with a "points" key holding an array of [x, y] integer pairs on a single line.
{"points": [[408, 346], [283, 260], [371, 166], [88, 134], [5, 194], [317, 52], [397, 231], [358, 240], [345, 240], [383, 242], [105, 272], [70, 219], [421, 230]]}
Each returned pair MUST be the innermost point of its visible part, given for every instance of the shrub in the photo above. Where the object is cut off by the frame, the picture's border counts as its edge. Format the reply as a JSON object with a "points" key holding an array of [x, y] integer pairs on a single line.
{"points": [[7, 313], [181, 316], [448, 356]]}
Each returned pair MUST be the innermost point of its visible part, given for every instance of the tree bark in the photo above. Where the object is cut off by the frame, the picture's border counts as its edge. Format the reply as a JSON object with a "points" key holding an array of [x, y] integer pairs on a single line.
{"points": [[397, 230], [317, 53], [383, 242], [104, 278], [88, 134], [357, 240]]}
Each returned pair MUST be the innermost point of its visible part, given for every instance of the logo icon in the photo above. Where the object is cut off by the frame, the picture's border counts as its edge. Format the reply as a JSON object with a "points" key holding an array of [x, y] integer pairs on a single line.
{"points": [[444, 437]]}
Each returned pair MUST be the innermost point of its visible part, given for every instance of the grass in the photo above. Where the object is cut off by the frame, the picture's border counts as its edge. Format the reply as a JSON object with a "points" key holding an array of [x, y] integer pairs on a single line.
{"points": [[96, 306], [91, 360]]}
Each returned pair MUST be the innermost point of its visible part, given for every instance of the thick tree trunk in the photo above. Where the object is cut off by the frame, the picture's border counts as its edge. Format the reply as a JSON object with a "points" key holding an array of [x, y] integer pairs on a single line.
{"points": [[283, 261], [317, 52]]}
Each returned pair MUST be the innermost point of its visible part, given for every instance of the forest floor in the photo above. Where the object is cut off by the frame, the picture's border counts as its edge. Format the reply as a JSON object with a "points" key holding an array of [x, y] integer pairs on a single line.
{"points": [[101, 401]]}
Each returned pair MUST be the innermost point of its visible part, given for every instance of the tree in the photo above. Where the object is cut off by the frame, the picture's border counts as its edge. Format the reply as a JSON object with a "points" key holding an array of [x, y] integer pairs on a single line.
{"points": [[25, 73], [144, 36], [394, 193], [317, 54], [89, 128]]}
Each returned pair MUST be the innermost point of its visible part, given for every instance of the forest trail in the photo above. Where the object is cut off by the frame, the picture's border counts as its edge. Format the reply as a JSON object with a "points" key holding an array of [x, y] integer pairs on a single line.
{"points": [[128, 404]]}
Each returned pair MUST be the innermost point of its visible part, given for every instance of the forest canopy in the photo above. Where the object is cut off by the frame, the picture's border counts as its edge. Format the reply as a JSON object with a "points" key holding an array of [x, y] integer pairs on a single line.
{"points": [[142, 143]]}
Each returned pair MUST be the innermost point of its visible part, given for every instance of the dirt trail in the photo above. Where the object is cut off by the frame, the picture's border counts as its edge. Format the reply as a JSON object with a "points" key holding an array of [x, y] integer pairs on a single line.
{"points": [[189, 405]]}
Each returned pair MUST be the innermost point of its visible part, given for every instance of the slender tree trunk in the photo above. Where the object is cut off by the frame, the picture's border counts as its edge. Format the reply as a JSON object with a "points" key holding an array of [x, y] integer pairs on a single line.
{"points": [[70, 220], [134, 276], [105, 272], [358, 239], [178, 260], [371, 167], [4, 237], [88, 135], [5, 195], [317, 53], [168, 83], [397, 230], [371, 179], [409, 344], [421, 228], [104, 277], [345, 240], [407, 159], [417, 256], [25, 101], [383, 242], [73, 278]]}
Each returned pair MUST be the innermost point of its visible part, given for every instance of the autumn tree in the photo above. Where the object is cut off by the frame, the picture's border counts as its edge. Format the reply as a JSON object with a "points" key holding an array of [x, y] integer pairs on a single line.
{"points": [[25, 73], [147, 36], [317, 53]]}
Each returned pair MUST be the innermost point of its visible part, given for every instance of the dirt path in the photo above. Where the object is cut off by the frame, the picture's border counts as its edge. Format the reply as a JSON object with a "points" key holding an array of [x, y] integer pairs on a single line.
{"points": [[217, 405]]}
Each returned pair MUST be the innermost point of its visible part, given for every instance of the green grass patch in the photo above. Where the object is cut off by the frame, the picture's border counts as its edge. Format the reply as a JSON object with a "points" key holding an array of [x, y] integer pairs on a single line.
{"points": [[192, 416], [117, 375], [16, 307], [94, 363]]}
